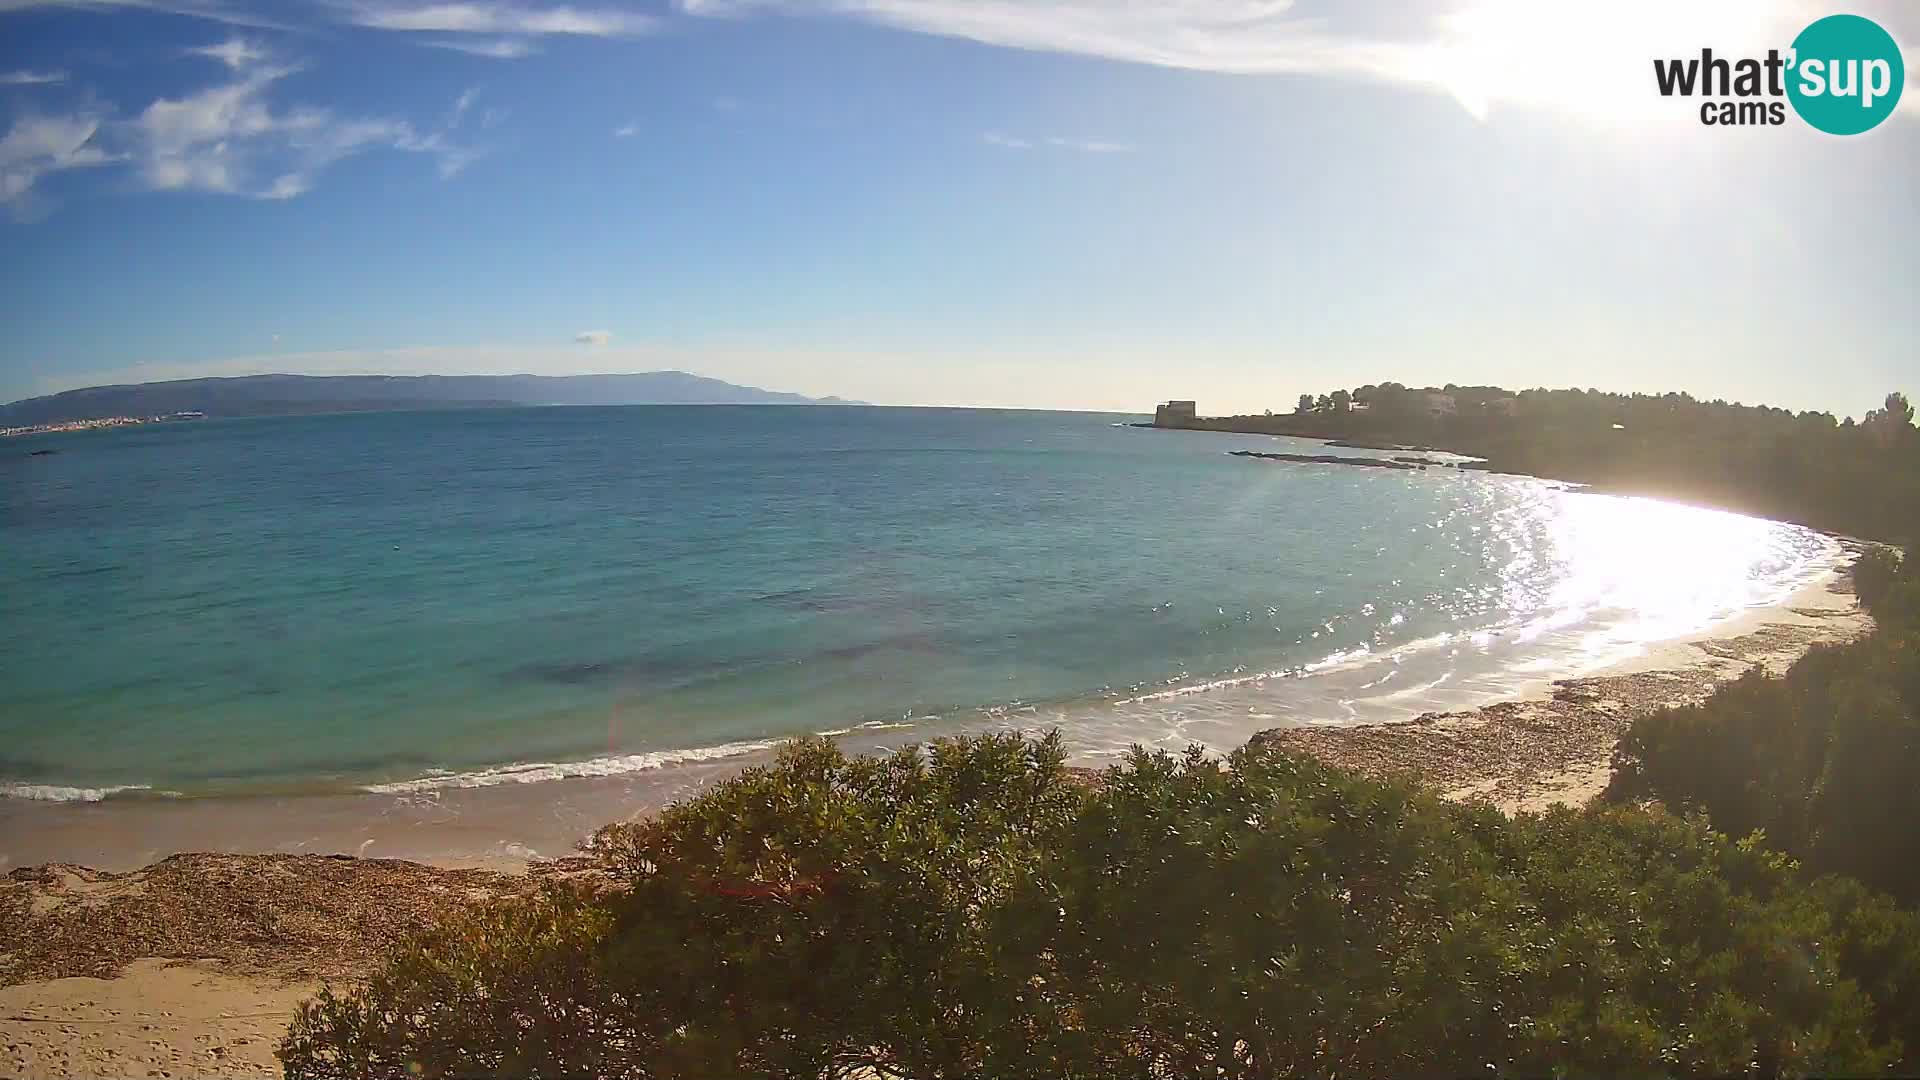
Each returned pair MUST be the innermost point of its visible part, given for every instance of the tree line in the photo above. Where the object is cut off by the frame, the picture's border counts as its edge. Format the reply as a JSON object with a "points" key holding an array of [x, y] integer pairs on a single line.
{"points": [[1861, 478]]}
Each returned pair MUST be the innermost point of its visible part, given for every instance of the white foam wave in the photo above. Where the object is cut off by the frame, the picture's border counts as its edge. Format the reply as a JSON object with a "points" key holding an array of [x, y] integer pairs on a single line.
{"points": [[1334, 661], [62, 793], [541, 771], [871, 725]]}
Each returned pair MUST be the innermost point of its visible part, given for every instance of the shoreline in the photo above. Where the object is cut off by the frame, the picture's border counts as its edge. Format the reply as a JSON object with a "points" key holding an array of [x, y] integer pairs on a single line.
{"points": [[1532, 752], [195, 963], [1356, 706]]}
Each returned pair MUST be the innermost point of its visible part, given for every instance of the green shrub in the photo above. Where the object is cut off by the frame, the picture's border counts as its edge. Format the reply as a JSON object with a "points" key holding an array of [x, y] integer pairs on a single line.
{"points": [[1875, 573], [510, 989], [975, 911]]}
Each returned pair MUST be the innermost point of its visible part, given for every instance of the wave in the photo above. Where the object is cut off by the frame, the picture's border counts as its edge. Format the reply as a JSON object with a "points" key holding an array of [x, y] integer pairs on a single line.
{"points": [[62, 793], [542, 771], [616, 765], [1336, 660], [871, 725]]}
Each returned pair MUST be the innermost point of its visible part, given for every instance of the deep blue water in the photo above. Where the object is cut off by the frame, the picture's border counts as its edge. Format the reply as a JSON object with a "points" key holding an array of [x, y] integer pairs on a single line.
{"points": [[365, 599]]}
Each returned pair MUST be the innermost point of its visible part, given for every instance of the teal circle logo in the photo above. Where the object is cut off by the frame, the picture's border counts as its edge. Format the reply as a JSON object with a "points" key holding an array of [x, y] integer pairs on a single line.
{"points": [[1846, 75]]}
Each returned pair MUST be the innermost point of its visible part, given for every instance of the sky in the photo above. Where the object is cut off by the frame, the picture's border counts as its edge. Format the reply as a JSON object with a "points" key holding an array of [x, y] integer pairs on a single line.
{"points": [[1084, 204]]}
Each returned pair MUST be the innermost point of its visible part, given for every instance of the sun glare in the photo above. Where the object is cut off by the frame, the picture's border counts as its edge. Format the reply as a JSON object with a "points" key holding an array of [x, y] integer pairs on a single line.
{"points": [[1675, 567], [1592, 60]]}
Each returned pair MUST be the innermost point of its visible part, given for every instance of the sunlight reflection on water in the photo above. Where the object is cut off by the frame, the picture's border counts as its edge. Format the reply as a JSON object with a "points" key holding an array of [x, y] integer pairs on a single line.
{"points": [[1586, 581]]}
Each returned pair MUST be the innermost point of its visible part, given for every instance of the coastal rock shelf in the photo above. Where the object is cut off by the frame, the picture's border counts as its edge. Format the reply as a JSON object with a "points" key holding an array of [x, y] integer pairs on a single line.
{"points": [[1409, 464]]}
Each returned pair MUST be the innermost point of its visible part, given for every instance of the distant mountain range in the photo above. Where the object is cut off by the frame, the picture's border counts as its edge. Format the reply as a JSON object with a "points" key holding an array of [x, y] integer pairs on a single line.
{"points": [[275, 395]]}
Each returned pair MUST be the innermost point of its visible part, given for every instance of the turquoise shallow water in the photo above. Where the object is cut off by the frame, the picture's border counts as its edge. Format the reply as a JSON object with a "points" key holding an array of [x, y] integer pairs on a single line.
{"points": [[400, 600]]}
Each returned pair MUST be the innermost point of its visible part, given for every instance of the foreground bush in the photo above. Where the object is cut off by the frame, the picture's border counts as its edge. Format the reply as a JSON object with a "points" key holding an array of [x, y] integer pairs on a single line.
{"points": [[977, 912], [1876, 574], [1823, 761]]}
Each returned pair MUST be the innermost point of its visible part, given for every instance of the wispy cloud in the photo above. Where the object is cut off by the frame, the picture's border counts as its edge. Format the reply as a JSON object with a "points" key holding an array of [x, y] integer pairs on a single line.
{"points": [[236, 53], [460, 106], [235, 15], [507, 20], [38, 145], [496, 17], [31, 78], [1246, 36], [229, 138], [1090, 146], [1566, 56], [233, 136], [450, 157], [626, 131], [1058, 142], [505, 48]]}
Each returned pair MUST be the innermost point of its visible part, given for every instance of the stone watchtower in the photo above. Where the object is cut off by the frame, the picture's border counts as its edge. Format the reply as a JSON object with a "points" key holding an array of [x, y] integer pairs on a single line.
{"points": [[1174, 414]]}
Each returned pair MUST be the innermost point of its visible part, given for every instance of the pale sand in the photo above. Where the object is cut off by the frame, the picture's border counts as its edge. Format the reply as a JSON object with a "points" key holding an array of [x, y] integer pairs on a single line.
{"points": [[167, 1018], [194, 966], [248, 934]]}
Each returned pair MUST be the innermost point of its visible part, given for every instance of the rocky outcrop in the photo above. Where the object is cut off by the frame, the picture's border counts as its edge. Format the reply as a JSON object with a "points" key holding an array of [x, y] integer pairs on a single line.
{"points": [[1329, 459]]}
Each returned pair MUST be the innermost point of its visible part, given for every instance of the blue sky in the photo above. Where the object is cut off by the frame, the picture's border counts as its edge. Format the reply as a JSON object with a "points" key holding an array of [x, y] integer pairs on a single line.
{"points": [[1051, 203]]}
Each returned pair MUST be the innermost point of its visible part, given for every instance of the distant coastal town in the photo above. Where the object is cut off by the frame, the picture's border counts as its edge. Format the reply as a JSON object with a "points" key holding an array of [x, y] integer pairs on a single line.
{"points": [[98, 422]]}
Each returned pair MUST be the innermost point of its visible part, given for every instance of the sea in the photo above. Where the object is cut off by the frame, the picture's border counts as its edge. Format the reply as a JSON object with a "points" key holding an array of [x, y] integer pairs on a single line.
{"points": [[408, 602]]}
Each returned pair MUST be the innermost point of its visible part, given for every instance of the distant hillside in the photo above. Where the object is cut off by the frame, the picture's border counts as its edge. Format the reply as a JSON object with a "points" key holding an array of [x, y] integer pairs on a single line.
{"points": [[274, 395]]}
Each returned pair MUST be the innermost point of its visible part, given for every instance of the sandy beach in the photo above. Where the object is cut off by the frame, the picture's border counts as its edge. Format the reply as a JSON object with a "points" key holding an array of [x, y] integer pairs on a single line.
{"points": [[193, 965]]}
